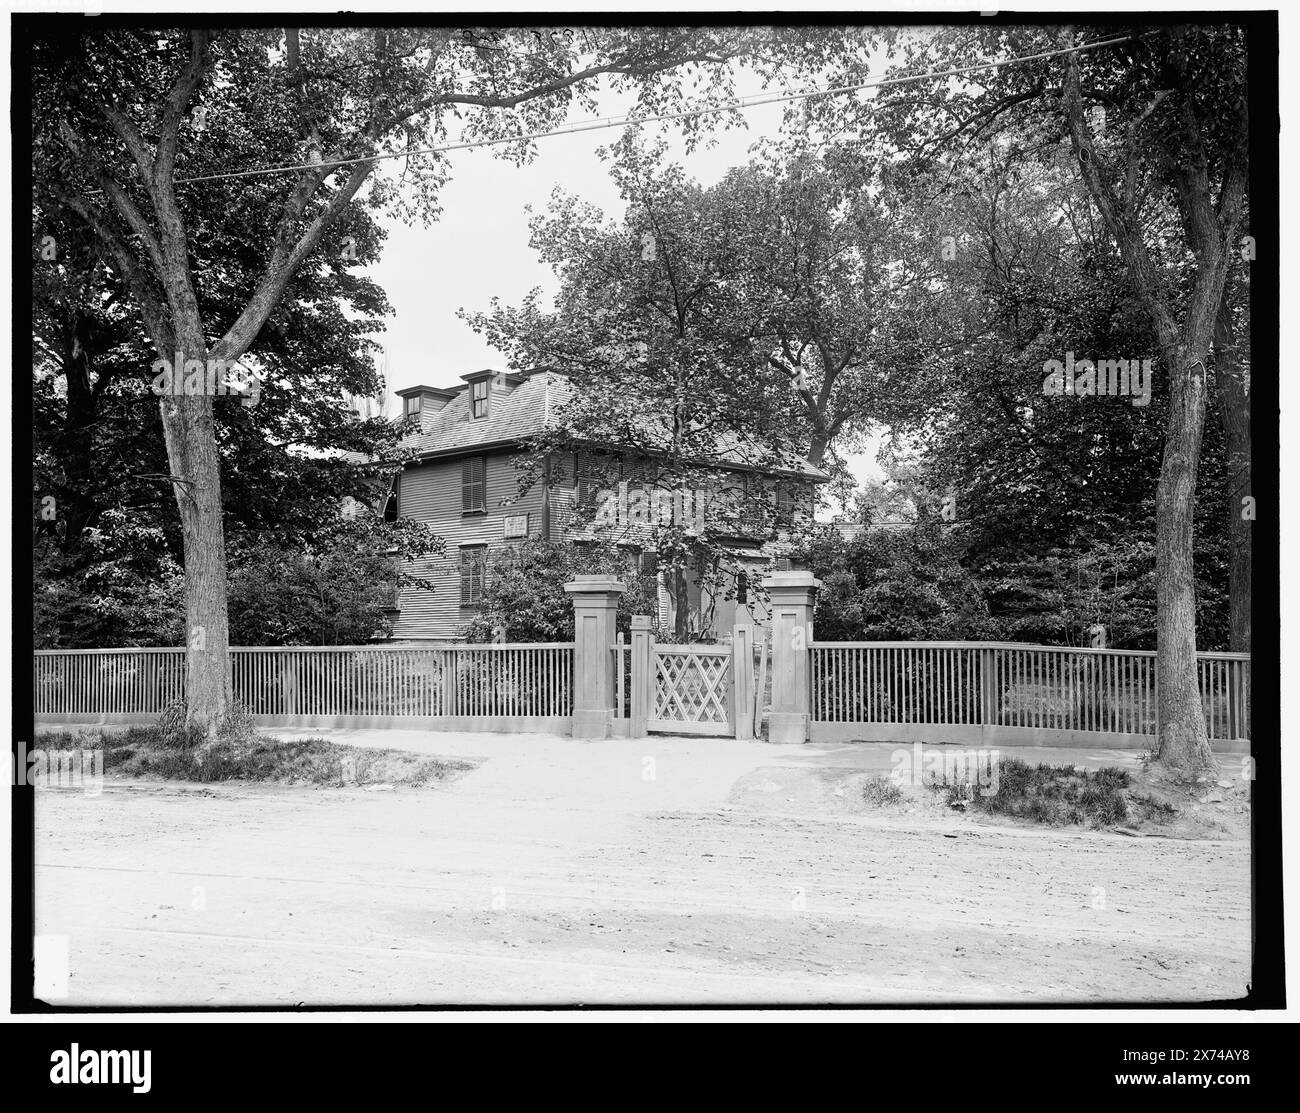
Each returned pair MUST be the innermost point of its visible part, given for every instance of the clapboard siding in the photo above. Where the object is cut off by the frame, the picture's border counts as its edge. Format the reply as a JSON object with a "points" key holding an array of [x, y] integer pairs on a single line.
{"points": [[564, 497], [431, 492]]}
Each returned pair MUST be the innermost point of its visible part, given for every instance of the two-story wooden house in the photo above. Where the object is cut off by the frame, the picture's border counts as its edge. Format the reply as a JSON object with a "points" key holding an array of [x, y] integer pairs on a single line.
{"points": [[465, 483]]}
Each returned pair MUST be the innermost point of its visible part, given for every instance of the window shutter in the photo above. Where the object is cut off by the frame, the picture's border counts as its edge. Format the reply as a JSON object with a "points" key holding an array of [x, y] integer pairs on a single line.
{"points": [[472, 483], [785, 500], [586, 481], [597, 472]]}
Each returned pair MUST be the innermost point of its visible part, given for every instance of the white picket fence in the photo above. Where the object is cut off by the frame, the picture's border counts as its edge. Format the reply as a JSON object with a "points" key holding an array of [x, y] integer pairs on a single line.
{"points": [[981, 692], [525, 687], [960, 692]]}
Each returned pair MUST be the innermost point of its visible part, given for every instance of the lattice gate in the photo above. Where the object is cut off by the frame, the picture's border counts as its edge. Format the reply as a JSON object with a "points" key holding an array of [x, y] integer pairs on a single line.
{"points": [[691, 690], [686, 689]]}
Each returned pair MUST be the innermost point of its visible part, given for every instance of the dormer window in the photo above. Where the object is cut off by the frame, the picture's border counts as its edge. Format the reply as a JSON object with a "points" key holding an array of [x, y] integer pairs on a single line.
{"points": [[419, 400], [478, 404]]}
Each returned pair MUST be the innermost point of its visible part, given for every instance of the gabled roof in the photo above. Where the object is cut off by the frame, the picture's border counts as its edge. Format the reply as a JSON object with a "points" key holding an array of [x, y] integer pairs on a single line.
{"points": [[537, 404], [512, 416]]}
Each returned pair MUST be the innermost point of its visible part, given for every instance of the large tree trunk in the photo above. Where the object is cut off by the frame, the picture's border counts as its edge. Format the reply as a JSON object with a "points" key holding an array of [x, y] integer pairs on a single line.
{"points": [[681, 602], [192, 453], [76, 500], [1210, 226], [1234, 415], [817, 446], [1183, 740]]}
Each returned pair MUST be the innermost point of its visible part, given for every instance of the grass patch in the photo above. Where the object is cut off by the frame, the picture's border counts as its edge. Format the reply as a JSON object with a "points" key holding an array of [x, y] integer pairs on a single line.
{"points": [[881, 792], [149, 753], [1062, 795]]}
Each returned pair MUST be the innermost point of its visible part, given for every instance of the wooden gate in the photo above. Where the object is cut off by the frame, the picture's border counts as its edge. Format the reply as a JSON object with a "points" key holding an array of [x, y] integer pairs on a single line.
{"points": [[691, 690], [685, 689]]}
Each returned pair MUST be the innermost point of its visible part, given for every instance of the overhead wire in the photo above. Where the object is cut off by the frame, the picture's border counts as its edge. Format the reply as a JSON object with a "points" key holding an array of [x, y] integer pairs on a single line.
{"points": [[631, 119]]}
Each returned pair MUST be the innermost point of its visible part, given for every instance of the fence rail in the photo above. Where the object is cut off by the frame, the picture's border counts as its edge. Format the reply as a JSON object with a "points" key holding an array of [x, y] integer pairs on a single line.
{"points": [[1017, 694], [962, 692], [465, 687]]}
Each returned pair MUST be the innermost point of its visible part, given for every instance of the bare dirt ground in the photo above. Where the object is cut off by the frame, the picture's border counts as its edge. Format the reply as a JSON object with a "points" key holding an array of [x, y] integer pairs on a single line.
{"points": [[662, 872]]}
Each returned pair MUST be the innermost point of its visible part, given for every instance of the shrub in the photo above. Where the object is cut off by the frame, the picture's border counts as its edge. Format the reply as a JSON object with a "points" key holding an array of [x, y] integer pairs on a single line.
{"points": [[338, 590], [524, 598], [1063, 795], [142, 752], [881, 791]]}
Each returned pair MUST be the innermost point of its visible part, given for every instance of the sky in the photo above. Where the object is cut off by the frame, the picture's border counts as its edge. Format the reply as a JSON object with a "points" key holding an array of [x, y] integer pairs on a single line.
{"points": [[479, 249]]}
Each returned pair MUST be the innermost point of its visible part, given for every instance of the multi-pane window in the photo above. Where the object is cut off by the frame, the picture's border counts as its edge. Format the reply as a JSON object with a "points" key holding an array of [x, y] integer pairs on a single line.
{"points": [[479, 398], [413, 405], [473, 484], [473, 573], [784, 502]]}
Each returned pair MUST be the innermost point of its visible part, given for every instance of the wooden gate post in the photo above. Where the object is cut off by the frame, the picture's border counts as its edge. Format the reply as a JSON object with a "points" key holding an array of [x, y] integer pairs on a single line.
{"points": [[449, 678], [595, 606], [792, 609], [289, 682], [742, 680], [641, 677], [990, 699], [1237, 689]]}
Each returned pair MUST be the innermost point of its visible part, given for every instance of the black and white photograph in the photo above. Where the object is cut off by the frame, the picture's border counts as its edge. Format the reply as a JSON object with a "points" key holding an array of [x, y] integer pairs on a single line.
{"points": [[656, 511]]}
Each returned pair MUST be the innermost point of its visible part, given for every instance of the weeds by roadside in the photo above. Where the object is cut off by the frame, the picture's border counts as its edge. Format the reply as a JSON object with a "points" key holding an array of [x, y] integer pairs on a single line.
{"points": [[1063, 795], [152, 753], [881, 792], [173, 731]]}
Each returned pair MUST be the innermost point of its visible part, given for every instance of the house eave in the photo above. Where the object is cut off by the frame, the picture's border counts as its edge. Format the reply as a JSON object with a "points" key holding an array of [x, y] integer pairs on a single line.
{"points": [[809, 473], [476, 449]]}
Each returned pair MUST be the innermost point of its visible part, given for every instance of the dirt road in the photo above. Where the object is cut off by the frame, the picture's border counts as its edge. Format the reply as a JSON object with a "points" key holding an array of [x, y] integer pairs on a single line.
{"points": [[624, 873]]}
